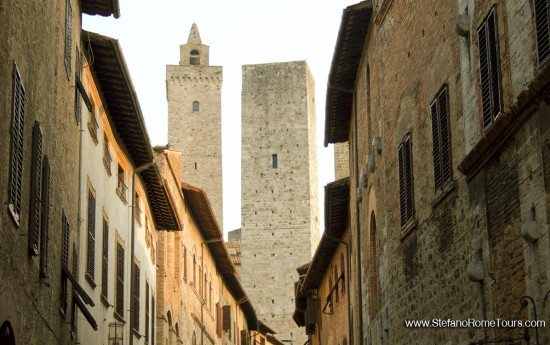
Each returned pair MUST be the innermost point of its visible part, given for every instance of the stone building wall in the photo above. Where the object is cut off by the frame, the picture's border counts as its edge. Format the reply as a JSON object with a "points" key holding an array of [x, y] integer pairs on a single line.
{"points": [[279, 200], [341, 160], [424, 268], [33, 38], [197, 133]]}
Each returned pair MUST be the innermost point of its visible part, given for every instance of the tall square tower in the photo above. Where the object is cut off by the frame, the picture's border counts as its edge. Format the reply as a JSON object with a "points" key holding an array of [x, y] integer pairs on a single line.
{"points": [[279, 198], [194, 118]]}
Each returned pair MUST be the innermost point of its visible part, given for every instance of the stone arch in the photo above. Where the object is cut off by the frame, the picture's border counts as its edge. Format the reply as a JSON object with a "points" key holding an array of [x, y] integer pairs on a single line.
{"points": [[372, 257], [7, 337]]}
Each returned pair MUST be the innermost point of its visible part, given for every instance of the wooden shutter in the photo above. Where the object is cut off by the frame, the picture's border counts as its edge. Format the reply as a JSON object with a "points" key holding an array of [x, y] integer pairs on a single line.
{"points": [[45, 216], [441, 139], [153, 321], [244, 337], [65, 241], [218, 320], [17, 130], [542, 7], [105, 260], [406, 197], [147, 318], [68, 37], [77, 100], [36, 178], [226, 323], [489, 69], [119, 298], [137, 281], [90, 266]]}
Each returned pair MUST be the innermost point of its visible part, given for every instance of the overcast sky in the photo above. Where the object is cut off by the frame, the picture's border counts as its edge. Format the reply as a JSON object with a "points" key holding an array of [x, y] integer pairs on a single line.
{"points": [[238, 32]]}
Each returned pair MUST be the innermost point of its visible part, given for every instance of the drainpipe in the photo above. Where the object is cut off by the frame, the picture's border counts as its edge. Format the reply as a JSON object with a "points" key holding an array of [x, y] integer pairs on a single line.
{"points": [[350, 326], [132, 245], [357, 210]]}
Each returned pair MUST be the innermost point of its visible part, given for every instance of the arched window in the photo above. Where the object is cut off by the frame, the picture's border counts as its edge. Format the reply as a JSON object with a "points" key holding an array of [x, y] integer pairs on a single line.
{"points": [[194, 57], [196, 106], [6, 333], [374, 282]]}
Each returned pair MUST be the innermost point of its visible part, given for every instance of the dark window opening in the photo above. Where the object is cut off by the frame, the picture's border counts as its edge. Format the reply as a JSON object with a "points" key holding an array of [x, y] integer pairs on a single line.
{"points": [[196, 106], [542, 24], [275, 161], [194, 57], [443, 172], [406, 197], [90, 263]]}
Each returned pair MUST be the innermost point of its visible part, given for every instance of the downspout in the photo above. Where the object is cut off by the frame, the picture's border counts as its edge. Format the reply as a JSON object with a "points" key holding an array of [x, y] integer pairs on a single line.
{"points": [[132, 245], [357, 210], [350, 326]]}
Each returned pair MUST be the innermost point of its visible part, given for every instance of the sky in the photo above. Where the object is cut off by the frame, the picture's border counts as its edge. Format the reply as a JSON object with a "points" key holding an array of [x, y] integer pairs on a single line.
{"points": [[239, 32]]}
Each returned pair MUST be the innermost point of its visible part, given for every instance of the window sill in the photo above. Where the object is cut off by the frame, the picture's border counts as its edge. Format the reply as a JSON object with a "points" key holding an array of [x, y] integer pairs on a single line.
{"points": [[118, 317], [448, 189], [136, 333], [90, 280], [107, 166], [14, 216], [93, 133], [104, 300], [408, 229], [121, 196]]}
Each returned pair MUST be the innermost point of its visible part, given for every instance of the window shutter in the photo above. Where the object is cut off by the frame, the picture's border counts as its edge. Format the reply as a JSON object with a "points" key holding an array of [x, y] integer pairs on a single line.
{"points": [[436, 146], [147, 318], [402, 186], [489, 69], [406, 197], [119, 300], [90, 266], [218, 320], [137, 281], [226, 325], [446, 169], [68, 37], [105, 260], [65, 241], [244, 337], [542, 28], [77, 101], [154, 320], [36, 177], [17, 129], [44, 235]]}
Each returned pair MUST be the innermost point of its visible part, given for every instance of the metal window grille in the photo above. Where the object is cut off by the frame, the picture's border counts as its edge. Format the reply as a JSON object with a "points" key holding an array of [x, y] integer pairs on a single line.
{"points": [[17, 130], [90, 263]]}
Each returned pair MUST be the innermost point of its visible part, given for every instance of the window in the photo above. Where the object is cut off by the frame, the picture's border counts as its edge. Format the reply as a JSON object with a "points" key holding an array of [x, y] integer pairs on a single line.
{"points": [[329, 297], [218, 320], [542, 23], [274, 161], [489, 68], [137, 209], [93, 126], [196, 107], [106, 155], [443, 172], [343, 275], [194, 57], [16, 159], [121, 185], [65, 233], [184, 263], [154, 318], [194, 271], [68, 37], [335, 287], [119, 287], [147, 316], [90, 262], [45, 218], [373, 275], [105, 261], [35, 199], [137, 281], [77, 104], [406, 197], [226, 325]]}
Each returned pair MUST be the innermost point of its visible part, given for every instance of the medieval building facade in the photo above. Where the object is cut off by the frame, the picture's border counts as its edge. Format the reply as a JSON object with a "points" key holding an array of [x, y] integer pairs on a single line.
{"points": [[444, 106]]}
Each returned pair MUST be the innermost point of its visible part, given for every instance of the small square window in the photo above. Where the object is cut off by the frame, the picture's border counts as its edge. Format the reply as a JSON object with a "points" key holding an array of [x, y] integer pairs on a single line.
{"points": [[275, 161], [196, 106]]}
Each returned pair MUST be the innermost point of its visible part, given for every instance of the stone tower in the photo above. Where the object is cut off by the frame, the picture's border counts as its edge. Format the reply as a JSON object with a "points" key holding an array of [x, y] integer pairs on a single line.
{"points": [[194, 118], [279, 215]]}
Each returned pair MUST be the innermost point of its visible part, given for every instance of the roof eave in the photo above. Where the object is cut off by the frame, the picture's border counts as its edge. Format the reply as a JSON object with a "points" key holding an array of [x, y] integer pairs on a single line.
{"points": [[336, 89]]}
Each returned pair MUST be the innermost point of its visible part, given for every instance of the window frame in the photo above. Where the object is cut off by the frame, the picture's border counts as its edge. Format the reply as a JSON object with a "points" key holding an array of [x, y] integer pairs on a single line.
{"points": [[541, 30], [406, 183], [441, 140]]}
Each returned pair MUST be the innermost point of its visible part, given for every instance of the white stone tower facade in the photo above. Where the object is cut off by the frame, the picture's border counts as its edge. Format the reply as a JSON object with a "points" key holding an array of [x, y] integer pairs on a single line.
{"points": [[279, 215], [194, 118]]}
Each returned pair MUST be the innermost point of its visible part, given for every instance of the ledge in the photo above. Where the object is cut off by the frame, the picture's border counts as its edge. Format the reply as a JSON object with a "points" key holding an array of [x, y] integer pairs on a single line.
{"points": [[505, 125], [448, 189], [408, 229], [90, 280]]}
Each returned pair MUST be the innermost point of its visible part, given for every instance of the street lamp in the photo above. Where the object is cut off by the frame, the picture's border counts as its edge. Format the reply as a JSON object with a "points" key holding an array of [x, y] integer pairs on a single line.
{"points": [[116, 333]]}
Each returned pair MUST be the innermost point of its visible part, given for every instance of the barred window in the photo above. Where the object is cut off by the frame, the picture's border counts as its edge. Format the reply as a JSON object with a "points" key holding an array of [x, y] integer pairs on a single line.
{"points": [[406, 197], [68, 37], [137, 281], [489, 69], [16, 158], [443, 172], [147, 316]]}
